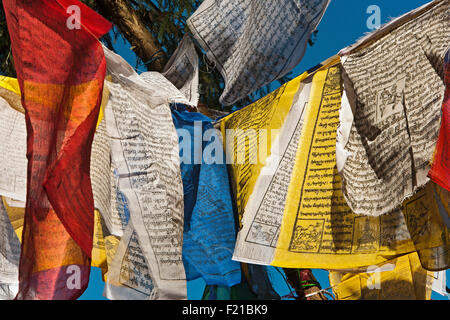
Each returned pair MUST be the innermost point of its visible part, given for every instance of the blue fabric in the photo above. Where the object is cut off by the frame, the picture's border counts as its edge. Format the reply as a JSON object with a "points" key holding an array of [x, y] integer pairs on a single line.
{"points": [[209, 227]]}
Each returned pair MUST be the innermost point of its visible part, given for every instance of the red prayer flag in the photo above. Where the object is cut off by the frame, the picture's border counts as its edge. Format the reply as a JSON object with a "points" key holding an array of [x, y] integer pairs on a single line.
{"points": [[60, 67], [440, 170]]}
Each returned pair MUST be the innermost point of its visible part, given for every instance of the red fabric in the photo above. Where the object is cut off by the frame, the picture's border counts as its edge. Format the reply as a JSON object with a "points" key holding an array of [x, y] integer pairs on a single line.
{"points": [[440, 170], [61, 73]]}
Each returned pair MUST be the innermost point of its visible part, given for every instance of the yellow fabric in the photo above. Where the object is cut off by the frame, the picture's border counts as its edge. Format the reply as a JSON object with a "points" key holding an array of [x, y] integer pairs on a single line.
{"points": [[16, 217], [10, 91], [318, 229], [444, 196], [105, 99], [10, 84], [408, 281], [111, 245], [98, 249], [99, 253], [19, 232], [268, 114], [434, 258]]}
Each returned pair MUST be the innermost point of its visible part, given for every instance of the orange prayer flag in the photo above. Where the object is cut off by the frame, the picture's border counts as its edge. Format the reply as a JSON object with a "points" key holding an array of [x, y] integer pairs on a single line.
{"points": [[60, 67]]}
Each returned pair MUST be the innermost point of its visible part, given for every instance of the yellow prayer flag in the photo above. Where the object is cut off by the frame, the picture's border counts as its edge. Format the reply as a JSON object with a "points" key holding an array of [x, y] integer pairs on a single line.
{"points": [[318, 229], [98, 248], [248, 131], [16, 217], [10, 84], [407, 281]]}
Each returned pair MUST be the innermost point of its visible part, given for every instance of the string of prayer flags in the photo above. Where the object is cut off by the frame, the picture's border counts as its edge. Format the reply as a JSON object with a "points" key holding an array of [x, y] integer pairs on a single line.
{"points": [[294, 213], [392, 138], [318, 229], [253, 43], [343, 168]]}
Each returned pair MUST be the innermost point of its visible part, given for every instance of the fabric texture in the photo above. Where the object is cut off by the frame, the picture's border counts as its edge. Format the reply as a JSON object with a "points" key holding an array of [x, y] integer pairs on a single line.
{"points": [[318, 229], [182, 70], [252, 42], [145, 157], [393, 81], [9, 256], [209, 227], [60, 72], [406, 280], [256, 125]]}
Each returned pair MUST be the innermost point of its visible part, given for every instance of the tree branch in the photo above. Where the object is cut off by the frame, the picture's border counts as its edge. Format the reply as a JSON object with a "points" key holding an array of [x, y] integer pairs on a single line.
{"points": [[146, 47]]}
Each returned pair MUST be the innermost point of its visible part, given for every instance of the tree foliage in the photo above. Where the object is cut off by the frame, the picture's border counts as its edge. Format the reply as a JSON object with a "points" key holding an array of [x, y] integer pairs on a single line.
{"points": [[6, 60], [164, 25]]}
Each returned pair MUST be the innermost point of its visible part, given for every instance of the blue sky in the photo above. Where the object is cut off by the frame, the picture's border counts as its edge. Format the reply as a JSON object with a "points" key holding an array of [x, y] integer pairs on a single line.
{"points": [[344, 22]]}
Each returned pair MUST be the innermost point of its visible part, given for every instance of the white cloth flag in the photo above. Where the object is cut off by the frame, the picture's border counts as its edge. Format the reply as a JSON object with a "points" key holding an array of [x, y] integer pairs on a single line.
{"points": [[9, 257], [104, 184], [13, 149], [440, 284], [391, 119], [254, 42], [182, 70], [145, 156]]}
